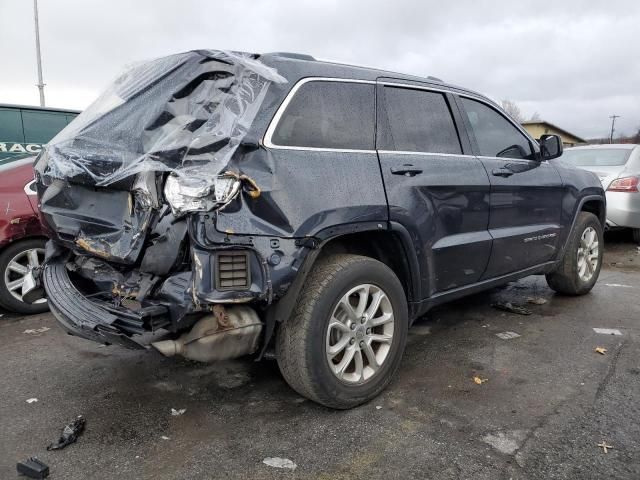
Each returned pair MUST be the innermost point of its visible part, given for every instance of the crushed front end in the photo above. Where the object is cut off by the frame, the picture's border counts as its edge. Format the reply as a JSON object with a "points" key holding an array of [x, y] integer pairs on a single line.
{"points": [[129, 193]]}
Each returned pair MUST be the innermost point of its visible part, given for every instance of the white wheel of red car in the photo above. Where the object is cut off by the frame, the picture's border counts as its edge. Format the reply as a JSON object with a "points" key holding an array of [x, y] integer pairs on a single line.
{"points": [[16, 261]]}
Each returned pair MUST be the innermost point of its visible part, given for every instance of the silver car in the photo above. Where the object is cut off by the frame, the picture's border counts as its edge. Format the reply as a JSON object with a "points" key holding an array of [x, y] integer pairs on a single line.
{"points": [[618, 167]]}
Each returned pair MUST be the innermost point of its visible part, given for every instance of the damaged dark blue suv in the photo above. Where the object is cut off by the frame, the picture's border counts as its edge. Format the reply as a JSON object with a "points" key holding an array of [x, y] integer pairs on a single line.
{"points": [[217, 204]]}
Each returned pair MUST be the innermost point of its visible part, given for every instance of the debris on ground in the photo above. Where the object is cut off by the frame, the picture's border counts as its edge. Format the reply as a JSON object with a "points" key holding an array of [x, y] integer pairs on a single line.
{"points": [[605, 447], [479, 381], [601, 350], [536, 300], [607, 331], [511, 307], [32, 400], [177, 413], [278, 462], [618, 285], [36, 330], [33, 468], [507, 335], [378, 407], [70, 434], [164, 437]]}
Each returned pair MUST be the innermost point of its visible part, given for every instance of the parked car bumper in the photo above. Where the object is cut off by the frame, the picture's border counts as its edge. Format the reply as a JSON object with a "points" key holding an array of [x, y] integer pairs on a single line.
{"points": [[623, 209]]}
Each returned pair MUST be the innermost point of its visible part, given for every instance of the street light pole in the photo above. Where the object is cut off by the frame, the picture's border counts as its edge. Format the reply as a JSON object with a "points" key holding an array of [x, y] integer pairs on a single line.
{"points": [[40, 84], [613, 123]]}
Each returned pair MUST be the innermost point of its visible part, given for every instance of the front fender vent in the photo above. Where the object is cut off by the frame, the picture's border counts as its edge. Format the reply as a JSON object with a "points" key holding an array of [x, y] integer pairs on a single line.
{"points": [[232, 270]]}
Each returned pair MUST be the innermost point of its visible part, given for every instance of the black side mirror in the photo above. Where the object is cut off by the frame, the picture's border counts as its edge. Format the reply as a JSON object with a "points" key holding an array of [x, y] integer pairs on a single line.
{"points": [[550, 147]]}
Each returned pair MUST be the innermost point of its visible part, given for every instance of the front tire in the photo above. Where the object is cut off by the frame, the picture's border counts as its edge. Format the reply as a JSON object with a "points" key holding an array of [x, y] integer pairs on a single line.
{"points": [[580, 267], [347, 333], [15, 262]]}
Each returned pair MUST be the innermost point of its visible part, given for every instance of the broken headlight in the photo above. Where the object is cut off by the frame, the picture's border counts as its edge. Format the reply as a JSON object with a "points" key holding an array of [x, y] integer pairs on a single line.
{"points": [[189, 194]]}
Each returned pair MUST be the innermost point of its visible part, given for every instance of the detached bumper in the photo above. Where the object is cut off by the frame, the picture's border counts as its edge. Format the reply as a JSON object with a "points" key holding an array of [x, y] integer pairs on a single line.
{"points": [[95, 319]]}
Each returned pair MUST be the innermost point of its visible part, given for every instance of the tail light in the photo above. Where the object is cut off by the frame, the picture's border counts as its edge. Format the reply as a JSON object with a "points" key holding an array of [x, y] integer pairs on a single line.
{"points": [[626, 184]]}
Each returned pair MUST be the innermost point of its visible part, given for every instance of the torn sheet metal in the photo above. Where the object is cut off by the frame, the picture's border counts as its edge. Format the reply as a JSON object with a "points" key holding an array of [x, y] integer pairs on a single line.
{"points": [[181, 117]]}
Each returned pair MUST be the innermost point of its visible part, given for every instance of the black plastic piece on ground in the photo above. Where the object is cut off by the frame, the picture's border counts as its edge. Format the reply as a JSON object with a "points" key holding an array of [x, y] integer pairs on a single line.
{"points": [[33, 468], [70, 434]]}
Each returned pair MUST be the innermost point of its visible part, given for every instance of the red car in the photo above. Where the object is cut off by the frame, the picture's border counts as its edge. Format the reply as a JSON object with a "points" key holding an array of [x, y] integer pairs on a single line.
{"points": [[22, 239]]}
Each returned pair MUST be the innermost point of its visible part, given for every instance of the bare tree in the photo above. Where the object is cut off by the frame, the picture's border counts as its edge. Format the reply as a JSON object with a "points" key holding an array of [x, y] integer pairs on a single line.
{"points": [[535, 117], [512, 109]]}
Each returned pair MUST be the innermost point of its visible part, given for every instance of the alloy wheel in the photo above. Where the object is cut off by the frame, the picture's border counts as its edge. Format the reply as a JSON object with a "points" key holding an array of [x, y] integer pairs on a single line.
{"points": [[19, 267], [588, 254], [360, 334]]}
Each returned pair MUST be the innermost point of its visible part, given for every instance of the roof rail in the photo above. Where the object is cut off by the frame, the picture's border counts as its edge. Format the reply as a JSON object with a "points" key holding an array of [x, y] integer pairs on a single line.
{"points": [[295, 56]]}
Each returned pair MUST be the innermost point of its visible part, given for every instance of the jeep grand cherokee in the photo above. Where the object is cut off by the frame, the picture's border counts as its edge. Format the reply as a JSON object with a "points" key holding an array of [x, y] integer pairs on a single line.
{"points": [[228, 204]]}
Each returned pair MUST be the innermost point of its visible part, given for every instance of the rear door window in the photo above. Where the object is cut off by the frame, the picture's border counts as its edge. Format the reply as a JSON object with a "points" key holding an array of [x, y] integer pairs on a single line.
{"points": [[40, 127], [329, 114], [495, 135], [11, 126], [417, 121]]}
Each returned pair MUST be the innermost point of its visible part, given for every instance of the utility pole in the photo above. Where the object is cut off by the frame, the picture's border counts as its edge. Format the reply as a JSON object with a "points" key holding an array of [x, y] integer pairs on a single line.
{"points": [[613, 123], [40, 83]]}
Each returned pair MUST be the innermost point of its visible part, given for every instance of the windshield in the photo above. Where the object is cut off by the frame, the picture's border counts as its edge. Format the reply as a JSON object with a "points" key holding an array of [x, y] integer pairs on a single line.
{"points": [[597, 157]]}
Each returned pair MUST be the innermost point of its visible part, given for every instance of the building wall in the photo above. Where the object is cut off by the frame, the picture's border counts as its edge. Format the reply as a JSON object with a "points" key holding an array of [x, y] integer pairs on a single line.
{"points": [[536, 130]]}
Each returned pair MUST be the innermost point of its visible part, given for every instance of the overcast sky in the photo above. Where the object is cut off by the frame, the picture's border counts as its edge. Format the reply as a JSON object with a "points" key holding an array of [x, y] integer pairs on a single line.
{"points": [[573, 62]]}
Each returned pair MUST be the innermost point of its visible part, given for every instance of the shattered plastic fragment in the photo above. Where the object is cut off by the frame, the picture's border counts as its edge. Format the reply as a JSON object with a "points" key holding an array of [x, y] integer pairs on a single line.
{"points": [[164, 437], [604, 446], [507, 335], [536, 300], [278, 462], [33, 468], [601, 350], [32, 400], [70, 434], [479, 381], [511, 307], [177, 413], [37, 330]]}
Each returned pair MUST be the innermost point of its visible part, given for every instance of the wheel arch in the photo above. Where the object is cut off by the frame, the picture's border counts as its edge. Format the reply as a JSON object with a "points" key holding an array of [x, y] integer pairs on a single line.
{"points": [[389, 243], [595, 205]]}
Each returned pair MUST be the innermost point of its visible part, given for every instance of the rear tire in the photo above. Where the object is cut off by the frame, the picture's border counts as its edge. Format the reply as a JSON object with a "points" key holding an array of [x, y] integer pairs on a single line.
{"points": [[356, 306], [580, 267], [635, 232], [15, 260]]}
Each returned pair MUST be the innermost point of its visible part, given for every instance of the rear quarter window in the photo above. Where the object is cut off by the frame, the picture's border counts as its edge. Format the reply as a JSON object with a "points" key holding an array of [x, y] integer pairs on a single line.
{"points": [[329, 114], [417, 121]]}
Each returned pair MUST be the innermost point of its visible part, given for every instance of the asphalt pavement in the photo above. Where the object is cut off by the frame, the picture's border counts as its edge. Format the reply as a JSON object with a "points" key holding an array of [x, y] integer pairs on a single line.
{"points": [[481, 394]]}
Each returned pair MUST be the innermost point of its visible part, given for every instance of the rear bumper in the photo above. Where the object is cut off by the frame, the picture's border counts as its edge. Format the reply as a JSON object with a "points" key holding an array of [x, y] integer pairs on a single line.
{"points": [[94, 319], [623, 209]]}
